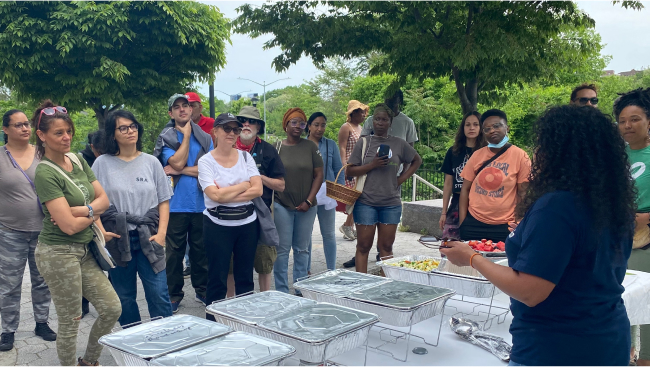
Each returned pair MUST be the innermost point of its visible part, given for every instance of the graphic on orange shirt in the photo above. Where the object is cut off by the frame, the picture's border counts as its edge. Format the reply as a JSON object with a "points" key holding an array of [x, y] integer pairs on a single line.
{"points": [[490, 178]]}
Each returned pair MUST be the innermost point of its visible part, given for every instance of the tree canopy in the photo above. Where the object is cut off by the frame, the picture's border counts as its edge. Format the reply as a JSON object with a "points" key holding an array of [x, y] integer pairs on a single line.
{"points": [[480, 45], [103, 55]]}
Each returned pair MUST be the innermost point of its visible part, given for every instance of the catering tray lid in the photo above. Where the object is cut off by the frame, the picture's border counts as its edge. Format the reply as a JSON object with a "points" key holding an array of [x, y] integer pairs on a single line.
{"points": [[234, 349], [401, 295], [159, 337], [256, 307], [320, 322], [339, 282]]}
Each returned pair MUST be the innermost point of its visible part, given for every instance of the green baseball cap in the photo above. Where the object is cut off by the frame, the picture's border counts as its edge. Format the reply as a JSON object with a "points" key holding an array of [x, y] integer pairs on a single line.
{"points": [[173, 99]]}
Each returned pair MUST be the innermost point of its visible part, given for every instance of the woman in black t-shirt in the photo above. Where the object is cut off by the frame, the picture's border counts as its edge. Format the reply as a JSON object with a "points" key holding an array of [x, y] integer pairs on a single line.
{"points": [[469, 138]]}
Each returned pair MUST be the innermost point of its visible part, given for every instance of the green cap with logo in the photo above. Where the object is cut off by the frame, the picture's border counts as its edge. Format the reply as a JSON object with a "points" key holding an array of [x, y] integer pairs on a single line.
{"points": [[173, 99]]}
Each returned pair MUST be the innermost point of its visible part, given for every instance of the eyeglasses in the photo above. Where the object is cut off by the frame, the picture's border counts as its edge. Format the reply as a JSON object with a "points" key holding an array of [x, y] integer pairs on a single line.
{"points": [[23, 125], [125, 129], [50, 111], [244, 120], [297, 123], [228, 129], [496, 126], [583, 101]]}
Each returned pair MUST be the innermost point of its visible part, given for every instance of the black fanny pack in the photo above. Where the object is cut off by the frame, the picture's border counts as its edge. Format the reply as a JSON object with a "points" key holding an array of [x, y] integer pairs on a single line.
{"points": [[232, 212]]}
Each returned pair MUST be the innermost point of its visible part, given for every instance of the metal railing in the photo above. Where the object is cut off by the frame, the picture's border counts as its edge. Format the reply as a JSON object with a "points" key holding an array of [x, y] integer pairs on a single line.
{"points": [[424, 185]]}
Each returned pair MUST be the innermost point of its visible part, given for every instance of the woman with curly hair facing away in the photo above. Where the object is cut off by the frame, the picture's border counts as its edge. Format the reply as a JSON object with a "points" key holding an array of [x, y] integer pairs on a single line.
{"points": [[632, 112], [568, 255], [72, 200], [469, 138]]}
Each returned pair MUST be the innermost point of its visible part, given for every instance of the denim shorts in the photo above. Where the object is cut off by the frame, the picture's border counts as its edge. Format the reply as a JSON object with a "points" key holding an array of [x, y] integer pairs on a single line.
{"points": [[367, 215]]}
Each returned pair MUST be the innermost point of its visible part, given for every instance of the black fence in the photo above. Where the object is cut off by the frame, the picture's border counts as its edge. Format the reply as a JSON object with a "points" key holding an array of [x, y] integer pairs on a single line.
{"points": [[424, 192]]}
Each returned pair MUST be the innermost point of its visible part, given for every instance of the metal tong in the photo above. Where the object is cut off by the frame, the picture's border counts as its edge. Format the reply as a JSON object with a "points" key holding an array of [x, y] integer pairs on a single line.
{"points": [[435, 242], [471, 331]]}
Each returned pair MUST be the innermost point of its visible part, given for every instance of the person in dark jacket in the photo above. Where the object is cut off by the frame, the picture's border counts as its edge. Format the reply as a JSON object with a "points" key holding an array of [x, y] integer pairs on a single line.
{"points": [[135, 224], [94, 146]]}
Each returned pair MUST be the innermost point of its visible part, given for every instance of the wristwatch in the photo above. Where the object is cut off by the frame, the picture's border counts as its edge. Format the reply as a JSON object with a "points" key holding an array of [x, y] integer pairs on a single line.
{"points": [[90, 211]]}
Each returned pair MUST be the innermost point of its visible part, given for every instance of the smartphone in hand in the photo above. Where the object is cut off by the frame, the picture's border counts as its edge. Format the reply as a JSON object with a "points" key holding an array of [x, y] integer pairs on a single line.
{"points": [[384, 150]]}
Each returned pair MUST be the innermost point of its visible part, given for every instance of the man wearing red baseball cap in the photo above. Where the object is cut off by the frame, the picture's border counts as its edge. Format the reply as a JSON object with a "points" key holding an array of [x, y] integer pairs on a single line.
{"points": [[205, 123]]}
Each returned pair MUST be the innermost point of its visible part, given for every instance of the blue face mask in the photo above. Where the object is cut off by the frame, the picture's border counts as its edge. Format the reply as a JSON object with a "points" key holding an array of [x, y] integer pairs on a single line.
{"points": [[499, 144]]}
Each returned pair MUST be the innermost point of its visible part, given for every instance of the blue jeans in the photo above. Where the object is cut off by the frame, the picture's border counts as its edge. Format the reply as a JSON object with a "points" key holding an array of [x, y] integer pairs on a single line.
{"points": [[326, 219], [126, 286], [294, 230]]}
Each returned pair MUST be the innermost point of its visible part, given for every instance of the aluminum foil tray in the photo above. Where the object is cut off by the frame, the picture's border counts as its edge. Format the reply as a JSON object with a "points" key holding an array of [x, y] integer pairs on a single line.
{"points": [[136, 345], [406, 274], [465, 280], [340, 282], [312, 352], [257, 307], [234, 349]]}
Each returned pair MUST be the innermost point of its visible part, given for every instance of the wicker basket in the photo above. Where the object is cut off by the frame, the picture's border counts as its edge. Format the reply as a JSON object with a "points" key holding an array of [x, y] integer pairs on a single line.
{"points": [[340, 192]]}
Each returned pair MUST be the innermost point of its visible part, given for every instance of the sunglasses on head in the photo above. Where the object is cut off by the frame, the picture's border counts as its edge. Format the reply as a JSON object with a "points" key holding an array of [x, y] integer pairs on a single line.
{"points": [[227, 129], [583, 101], [50, 111]]}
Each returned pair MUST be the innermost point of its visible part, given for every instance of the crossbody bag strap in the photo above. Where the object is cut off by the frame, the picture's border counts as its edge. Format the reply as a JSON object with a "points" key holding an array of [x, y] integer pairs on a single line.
{"points": [[57, 168], [13, 161], [486, 163]]}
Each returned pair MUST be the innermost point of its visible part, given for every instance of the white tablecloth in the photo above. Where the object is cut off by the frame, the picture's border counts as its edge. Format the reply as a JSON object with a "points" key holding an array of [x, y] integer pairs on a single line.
{"points": [[637, 297]]}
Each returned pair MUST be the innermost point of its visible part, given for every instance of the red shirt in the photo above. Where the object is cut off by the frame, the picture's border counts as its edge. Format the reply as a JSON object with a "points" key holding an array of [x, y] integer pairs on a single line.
{"points": [[206, 123]]}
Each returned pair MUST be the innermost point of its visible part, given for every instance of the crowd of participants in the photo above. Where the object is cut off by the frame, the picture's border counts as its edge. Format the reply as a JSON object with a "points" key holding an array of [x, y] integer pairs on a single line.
{"points": [[217, 203]]}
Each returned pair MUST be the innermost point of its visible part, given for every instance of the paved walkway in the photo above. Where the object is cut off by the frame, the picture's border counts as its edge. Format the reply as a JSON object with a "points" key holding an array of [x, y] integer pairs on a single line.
{"points": [[34, 351]]}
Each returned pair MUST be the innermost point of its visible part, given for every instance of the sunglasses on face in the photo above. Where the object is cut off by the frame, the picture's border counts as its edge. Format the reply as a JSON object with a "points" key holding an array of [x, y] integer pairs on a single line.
{"points": [[228, 129], [583, 101], [50, 111], [496, 126], [297, 123], [125, 129], [244, 120]]}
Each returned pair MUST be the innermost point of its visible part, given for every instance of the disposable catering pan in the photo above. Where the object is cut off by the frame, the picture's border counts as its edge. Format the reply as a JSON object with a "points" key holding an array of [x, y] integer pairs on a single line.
{"points": [[397, 303], [137, 345], [394, 271], [317, 331], [234, 349], [465, 280], [341, 282]]}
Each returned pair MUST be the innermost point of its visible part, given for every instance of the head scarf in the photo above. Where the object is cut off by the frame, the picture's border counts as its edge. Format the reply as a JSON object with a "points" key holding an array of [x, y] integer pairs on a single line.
{"points": [[292, 113], [382, 107], [354, 105]]}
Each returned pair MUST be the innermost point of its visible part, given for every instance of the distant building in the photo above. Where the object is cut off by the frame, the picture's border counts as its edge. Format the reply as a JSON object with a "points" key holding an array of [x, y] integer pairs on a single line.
{"points": [[235, 97], [253, 95], [628, 73], [608, 72]]}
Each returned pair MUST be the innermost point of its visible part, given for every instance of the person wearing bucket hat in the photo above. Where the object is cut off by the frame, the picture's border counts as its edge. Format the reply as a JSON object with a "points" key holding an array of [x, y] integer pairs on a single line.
{"points": [[179, 147], [272, 173], [205, 123], [348, 136], [295, 208]]}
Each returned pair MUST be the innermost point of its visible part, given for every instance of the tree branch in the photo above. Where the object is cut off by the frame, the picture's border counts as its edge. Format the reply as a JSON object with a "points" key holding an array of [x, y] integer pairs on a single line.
{"points": [[470, 17]]}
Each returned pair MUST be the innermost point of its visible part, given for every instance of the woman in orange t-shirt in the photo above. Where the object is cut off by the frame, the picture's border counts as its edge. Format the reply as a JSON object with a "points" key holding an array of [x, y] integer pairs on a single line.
{"points": [[489, 195]]}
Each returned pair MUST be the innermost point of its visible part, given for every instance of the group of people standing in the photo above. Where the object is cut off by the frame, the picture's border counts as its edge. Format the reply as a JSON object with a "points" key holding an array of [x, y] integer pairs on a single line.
{"points": [[212, 187]]}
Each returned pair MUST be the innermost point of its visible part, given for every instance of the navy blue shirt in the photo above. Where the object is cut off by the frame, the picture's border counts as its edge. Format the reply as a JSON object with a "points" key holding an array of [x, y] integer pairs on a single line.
{"points": [[583, 321]]}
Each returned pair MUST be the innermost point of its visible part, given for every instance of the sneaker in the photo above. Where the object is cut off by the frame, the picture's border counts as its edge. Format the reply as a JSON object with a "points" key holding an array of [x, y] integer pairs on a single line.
{"points": [[81, 362], [348, 233], [175, 306], [6, 342], [43, 330], [201, 299], [350, 263], [355, 233], [85, 308], [187, 272]]}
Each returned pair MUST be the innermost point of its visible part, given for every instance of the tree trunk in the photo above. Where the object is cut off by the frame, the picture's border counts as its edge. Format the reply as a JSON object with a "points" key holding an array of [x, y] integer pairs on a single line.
{"points": [[467, 93], [101, 117]]}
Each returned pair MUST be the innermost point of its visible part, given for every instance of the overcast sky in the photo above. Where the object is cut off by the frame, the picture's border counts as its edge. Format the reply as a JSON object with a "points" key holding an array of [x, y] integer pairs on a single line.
{"points": [[625, 33]]}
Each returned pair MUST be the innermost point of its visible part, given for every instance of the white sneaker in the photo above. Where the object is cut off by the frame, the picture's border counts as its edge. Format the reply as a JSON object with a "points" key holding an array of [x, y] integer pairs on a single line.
{"points": [[348, 233]]}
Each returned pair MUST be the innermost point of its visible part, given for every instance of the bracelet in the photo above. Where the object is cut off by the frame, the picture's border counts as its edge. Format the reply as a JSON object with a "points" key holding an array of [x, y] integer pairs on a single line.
{"points": [[471, 257], [309, 203]]}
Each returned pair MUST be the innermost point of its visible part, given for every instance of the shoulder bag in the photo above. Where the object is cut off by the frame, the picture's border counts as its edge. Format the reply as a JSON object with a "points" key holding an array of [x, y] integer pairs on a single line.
{"points": [[98, 245], [268, 233]]}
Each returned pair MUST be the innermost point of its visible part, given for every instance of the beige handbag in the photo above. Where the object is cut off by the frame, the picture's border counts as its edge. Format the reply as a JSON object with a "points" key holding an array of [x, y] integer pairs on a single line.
{"points": [[361, 180]]}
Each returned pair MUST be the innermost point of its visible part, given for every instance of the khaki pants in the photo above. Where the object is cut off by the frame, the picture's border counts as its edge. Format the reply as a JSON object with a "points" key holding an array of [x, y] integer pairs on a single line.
{"points": [[71, 272]]}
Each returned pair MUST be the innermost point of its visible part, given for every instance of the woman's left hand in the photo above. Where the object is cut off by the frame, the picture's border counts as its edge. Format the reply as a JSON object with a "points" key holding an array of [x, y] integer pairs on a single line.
{"points": [[303, 207], [159, 238], [457, 252]]}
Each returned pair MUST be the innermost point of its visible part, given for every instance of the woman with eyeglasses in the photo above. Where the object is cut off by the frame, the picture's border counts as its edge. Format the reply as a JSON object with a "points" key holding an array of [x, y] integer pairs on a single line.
{"points": [[494, 180], [135, 225], [21, 220], [72, 200], [295, 208], [230, 181]]}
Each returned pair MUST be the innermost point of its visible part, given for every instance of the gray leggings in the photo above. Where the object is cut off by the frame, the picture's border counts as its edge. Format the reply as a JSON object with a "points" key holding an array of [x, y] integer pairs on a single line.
{"points": [[640, 260], [71, 272]]}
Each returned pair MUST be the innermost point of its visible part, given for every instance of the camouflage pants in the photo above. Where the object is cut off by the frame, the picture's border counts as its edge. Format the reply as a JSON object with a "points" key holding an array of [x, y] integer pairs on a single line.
{"points": [[16, 250], [71, 272]]}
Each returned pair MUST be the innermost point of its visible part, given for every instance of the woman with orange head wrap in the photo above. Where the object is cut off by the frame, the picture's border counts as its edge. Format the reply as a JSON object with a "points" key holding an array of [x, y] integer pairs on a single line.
{"points": [[295, 207]]}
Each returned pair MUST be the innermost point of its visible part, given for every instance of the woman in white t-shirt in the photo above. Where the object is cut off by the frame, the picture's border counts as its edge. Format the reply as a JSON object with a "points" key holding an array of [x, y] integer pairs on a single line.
{"points": [[230, 180]]}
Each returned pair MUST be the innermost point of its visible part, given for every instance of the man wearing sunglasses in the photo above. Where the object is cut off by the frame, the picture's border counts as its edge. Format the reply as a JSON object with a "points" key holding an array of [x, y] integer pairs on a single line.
{"points": [[179, 147], [585, 95]]}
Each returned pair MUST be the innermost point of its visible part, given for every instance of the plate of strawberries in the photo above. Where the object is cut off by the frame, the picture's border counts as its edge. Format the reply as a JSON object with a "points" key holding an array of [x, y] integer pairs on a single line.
{"points": [[488, 248]]}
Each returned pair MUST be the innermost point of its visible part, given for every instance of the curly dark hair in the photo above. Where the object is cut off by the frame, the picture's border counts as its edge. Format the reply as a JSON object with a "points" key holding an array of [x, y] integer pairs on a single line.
{"points": [[579, 149], [460, 141], [110, 127], [638, 97]]}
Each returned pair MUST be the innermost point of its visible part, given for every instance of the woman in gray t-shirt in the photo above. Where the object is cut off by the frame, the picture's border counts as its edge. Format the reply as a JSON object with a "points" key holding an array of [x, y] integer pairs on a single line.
{"points": [[21, 220], [138, 190], [379, 157]]}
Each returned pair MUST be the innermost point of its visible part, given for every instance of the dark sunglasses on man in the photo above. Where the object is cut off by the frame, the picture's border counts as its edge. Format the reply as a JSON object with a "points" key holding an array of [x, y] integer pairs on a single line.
{"points": [[243, 120], [583, 101]]}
